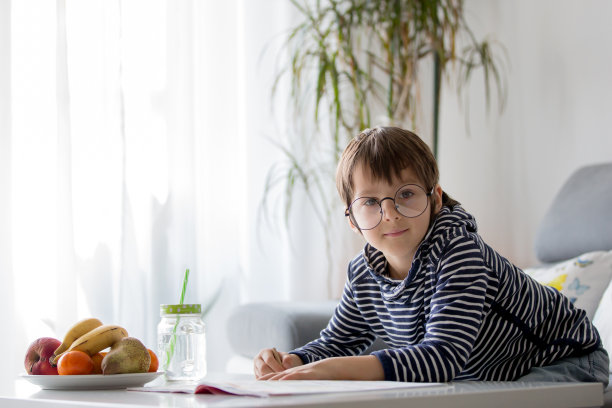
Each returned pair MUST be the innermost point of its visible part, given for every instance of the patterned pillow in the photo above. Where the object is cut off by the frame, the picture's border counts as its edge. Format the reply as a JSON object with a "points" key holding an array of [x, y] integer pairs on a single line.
{"points": [[582, 279]]}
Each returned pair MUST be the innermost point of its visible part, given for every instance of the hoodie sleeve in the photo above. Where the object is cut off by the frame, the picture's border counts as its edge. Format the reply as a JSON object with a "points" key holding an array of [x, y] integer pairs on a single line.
{"points": [[346, 334], [464, 291]]}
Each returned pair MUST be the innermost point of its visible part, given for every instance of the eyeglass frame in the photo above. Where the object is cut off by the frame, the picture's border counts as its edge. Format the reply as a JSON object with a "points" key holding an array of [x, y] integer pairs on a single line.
{"points": [[347, 212]]}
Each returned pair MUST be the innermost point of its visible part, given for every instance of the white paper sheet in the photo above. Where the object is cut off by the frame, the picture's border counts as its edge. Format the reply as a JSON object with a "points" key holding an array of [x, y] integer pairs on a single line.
{"points": [[279, 388]]}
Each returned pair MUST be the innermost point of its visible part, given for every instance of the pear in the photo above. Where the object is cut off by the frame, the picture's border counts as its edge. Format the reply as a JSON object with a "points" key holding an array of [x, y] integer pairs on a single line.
{"points": [[127, 355]]}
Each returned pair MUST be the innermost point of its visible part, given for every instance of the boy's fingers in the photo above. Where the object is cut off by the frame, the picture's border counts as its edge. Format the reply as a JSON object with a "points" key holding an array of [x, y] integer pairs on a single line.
{"points": [[287, 363], [268, 376], [265, 371], [269, 362], [290, 361], [272, 361], [257, 368], [260, 367]]}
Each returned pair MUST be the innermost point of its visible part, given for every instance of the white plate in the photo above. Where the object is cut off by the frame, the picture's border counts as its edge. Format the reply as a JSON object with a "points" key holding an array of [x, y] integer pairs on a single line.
{"points": [[91, 381]]}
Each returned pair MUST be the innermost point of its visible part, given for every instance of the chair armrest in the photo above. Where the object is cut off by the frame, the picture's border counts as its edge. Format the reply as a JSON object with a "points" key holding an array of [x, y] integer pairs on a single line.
{"points": [[285, 325]]}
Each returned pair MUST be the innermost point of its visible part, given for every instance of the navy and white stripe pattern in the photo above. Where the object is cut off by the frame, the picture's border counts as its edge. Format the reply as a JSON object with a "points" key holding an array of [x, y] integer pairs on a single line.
{"points": [[464, 312]]}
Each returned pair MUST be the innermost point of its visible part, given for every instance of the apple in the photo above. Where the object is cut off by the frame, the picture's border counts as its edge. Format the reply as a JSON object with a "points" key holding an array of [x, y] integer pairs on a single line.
{"points": [[37, 356]]}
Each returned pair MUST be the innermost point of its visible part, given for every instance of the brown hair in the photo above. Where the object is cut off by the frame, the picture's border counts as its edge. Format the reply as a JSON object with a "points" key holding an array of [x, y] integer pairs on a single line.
{"points": [[387, 151]]}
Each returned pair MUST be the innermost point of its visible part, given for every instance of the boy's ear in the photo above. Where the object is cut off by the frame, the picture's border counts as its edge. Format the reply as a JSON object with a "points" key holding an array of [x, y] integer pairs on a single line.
{"points": [[353, 227], [438, 197]]}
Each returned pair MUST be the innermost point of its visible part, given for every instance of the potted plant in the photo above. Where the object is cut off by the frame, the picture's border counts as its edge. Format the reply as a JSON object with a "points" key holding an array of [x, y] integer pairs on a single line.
{"points": [[356, 63]]}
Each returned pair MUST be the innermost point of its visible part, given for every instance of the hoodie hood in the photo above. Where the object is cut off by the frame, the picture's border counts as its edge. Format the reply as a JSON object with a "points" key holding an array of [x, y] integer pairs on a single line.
{"points": [[454, 217]]}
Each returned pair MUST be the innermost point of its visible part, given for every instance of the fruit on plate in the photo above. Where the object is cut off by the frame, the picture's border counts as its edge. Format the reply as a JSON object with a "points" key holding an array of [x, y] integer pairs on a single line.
{"points": [[97, 361], [127, 355], [154, 361], [96, 340], [75, 363], [77, 330], [38, 354]]}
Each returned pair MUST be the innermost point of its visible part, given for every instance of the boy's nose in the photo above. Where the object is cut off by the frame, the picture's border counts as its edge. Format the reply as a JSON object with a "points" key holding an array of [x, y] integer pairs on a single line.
{"points": [[389, 210]]}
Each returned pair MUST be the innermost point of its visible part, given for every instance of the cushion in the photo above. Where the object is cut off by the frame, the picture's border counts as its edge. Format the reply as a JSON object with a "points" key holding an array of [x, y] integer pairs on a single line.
{"points": [[603, 319], [582, 279], [578, 220]]}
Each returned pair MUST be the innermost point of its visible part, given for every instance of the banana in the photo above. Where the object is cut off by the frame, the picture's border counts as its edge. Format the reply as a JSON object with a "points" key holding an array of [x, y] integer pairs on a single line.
{"points": [[96, 340], [77, 330]]}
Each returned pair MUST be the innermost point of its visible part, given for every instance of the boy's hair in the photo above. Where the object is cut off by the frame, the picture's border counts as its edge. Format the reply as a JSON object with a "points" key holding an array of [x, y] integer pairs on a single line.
{"points": [[386, 151]]}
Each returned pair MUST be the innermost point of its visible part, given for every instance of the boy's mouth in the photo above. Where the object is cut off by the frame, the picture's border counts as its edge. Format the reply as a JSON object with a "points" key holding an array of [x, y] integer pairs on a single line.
{"points": [[396, 233]]}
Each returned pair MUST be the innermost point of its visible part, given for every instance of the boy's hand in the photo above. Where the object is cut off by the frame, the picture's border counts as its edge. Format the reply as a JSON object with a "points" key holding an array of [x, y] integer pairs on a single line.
{"points": [[318, 370], [270, 361], [365, 368]]}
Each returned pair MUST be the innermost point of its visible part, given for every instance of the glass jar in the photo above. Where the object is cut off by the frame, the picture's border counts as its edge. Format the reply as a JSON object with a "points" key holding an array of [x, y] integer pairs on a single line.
{"points": [[181, 342]]}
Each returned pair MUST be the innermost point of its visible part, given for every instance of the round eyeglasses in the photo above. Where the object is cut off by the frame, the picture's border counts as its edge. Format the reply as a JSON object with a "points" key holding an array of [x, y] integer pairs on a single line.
{"points": [[411, 200]]}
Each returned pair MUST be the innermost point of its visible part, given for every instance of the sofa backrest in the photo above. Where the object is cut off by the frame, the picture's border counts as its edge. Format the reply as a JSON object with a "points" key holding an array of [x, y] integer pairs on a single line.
{"points": [[580, 217]]}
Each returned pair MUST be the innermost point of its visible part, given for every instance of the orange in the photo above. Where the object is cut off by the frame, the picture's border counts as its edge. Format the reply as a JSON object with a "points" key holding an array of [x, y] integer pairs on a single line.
{"points": [[75, 363], [154, 362], [97, 363]]}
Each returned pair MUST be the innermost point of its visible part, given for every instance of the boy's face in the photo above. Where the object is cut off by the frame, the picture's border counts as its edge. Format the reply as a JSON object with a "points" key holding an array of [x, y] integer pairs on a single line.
{"points": [[396, 236]]}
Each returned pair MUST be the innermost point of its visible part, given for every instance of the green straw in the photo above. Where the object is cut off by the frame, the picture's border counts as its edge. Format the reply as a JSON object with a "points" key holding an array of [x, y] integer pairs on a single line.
{"points": [[185, 279], [171, 345]]}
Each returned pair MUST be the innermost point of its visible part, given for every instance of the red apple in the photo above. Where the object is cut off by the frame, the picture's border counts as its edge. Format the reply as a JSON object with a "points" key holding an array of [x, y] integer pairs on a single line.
{"points": [[37, 357]]}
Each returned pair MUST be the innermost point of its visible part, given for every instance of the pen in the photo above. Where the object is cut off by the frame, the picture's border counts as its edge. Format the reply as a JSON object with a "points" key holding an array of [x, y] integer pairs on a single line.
{"points": [[277, 356]]}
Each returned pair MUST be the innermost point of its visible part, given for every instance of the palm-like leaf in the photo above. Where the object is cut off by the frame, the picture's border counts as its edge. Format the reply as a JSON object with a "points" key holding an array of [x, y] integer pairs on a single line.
{"points": [[350, 58]]}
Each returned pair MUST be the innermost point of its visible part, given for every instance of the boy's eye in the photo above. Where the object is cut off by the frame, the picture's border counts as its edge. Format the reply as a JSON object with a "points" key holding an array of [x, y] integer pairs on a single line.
{"points": [[367, 202], [405, 194]]}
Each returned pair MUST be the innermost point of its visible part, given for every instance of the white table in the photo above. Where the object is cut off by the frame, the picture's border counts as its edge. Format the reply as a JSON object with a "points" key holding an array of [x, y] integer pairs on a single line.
{"points": [[460, 394]]}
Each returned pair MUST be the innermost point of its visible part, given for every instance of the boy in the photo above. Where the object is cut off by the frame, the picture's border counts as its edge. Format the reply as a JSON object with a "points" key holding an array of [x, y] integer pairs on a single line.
{"points": [[447, 305]]}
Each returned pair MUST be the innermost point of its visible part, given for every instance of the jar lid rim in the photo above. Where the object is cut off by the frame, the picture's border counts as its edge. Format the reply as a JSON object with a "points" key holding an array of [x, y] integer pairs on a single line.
{"points": [[191, 308]]}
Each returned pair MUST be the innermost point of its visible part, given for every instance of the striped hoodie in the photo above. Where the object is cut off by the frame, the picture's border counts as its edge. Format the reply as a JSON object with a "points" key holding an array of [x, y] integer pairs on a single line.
{"points": [[464, 312]]}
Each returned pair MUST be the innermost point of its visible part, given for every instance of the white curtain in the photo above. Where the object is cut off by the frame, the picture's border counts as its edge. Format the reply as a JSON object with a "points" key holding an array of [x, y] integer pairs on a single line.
{"points": [[132, 147]]}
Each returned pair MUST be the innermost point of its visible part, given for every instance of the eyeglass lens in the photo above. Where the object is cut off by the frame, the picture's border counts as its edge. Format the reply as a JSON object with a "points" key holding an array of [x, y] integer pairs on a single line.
{"points": [[410, 201]]}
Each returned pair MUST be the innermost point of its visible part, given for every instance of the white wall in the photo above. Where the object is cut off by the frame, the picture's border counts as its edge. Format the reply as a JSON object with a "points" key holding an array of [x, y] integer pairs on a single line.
{"points": [[509, 168]]}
